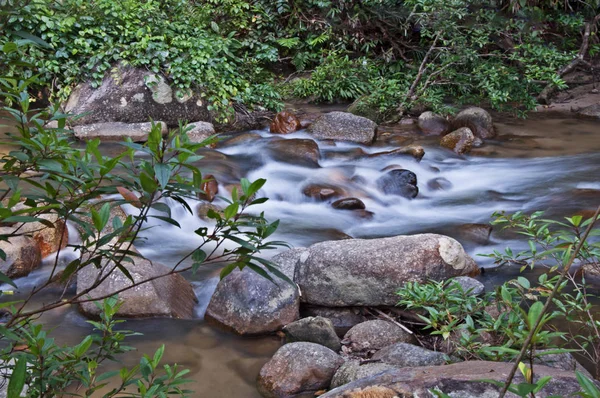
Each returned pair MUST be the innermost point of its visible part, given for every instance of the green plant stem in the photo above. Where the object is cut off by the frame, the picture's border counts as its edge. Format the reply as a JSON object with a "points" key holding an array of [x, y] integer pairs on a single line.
{"points": [[562, 277]]}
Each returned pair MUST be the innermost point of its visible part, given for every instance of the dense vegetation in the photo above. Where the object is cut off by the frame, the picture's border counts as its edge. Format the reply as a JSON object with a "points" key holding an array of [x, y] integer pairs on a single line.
{"points": [[388, 55]]}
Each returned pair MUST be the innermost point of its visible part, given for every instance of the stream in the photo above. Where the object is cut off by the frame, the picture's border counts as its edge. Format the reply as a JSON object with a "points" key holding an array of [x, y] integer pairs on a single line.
{"points": [[541, 163]]}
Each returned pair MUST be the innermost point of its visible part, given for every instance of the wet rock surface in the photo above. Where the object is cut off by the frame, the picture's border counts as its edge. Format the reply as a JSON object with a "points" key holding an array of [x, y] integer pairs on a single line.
{"points": [[303, 152], [408, 355], [368, 272], [460, 141], [166, 296], [399, 182], [343, 126], [285, 123], [322, 191], [349, 204], [249, 304], [298, 368]]}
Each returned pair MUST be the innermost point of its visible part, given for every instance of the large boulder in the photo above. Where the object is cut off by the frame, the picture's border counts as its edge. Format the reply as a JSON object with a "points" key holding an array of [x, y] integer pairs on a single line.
{"points": [[458, 380], [409, 355], [250, 304], [460, 141], [285, 123], [316, 329], [133, 95], [375, 335], [116, 131], [165, 296], [399, 182], [478, 120], [298, 151], [433, 124], [368, 272], [343, 126], [22, 252], [298, 368]]}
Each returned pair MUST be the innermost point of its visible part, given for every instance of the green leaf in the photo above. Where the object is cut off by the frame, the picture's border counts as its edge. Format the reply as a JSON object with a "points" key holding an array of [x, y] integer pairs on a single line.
{"points": [[588, 386], [148, 184], [82, 347], [6, 279], [163, 174], [523, 282], [17, 378], [534, 313]]}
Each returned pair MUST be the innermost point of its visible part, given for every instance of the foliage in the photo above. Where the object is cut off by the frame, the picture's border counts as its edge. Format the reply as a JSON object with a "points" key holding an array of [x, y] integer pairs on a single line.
{"points": [[48, 369], [388, 55], [47, 176]]}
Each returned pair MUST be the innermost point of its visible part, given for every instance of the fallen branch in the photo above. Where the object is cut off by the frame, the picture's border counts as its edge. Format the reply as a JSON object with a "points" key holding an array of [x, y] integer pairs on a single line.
{"points": [[395, 322]]}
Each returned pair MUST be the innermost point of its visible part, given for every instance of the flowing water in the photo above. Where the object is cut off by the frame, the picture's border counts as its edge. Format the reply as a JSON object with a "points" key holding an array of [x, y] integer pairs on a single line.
{"points": [[541, 163]]}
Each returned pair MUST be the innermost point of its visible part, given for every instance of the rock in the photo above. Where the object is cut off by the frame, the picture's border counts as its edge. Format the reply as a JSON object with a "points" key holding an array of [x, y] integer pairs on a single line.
{"points": [[457, 380], [249, 304], [322, 191], [285, 123], [439, 184], [49, 239], [468, 285], [375, 335], [302, 152], [116, 131], [563, 361], [209, 187], [317, 330], [590, 111], [22, 252], [399, 182], [478, 120], [167, 296], [298, 368], [343, 126], [348, 204], [345, 154], [203, 208], [353, 370], [409, 355], [368, 272], [133, 95], [433, 124], [415, 151], [476, 233], [342, 318], [459, 141], [240, 139], [200, 131]]}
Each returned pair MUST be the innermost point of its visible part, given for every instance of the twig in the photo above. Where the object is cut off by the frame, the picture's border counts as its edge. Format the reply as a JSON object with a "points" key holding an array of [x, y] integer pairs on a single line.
{"points": [[395, 322], [549, 299]]}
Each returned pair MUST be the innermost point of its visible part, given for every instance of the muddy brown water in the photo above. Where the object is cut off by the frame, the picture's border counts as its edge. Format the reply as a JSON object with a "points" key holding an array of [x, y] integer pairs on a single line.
{"points": [[541, 163]]}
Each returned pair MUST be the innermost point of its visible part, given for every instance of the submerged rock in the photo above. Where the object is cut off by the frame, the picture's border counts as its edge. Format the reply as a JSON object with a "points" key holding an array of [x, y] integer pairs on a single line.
{"points": [[349, 204], [23, 254], [433, 124], [399, 182], [249, 304], [317, 330], [457, 380], [302, 152], [375, 335], [285, 123], [116, 131], [322, 191], [415, 151], [166, 296], [459, 141], [368, 272], [298, 368], [439, 184], [478, 120], [343, 126]]}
